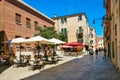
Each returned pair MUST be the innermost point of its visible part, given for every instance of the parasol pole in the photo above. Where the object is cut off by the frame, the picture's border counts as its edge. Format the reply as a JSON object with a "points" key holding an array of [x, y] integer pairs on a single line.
{"points": [[20, 52], [38, 48]]}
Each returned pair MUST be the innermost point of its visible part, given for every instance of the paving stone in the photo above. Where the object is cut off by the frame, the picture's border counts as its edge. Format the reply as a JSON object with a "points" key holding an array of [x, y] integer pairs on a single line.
{"points": [[86, 68]]}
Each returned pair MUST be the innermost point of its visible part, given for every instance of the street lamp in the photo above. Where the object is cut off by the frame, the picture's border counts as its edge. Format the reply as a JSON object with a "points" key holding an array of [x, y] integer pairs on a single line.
{"points": [[104, 18]]}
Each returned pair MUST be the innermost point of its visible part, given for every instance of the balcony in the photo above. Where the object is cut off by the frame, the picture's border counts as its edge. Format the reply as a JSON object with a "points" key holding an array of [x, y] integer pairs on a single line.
{"points": [[80, 35], [80, 40]]}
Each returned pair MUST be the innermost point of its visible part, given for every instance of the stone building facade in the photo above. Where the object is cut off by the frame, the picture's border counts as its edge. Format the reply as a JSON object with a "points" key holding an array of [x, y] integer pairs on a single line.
{"points": [[75, 26], [93, 38], [112, 26], [99, 43]]}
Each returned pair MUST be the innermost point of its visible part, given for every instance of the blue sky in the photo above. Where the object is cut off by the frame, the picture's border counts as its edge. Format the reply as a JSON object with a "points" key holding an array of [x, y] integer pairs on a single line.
{"points": [[93, 8]]}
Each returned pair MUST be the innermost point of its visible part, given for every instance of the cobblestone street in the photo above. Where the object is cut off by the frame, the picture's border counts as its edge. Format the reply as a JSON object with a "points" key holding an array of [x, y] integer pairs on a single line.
{"points": [[86, 68]]}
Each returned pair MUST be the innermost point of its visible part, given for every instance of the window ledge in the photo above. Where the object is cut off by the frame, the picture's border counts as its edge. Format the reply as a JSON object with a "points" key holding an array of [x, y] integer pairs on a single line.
{"points": [[28, 26], [19, 23]]}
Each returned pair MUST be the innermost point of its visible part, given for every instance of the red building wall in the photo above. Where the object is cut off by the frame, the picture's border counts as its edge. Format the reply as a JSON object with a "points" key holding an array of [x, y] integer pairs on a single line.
{"points": [[108, 15], [8, 10]]}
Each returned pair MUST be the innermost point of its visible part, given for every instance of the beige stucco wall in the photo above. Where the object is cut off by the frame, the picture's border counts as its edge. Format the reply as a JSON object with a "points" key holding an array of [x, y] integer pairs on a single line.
{"points": [[93, 38], [115, 10], [99, 43], [72, 26], [117, 22]]}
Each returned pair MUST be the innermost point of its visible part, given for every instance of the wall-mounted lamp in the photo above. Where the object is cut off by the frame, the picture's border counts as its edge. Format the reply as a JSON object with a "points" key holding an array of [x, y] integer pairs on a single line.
{"points": [[104, 18]]}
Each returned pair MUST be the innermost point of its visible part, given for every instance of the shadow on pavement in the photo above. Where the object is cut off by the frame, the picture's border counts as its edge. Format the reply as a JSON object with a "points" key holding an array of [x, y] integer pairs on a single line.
{"points": [[3, 68]]}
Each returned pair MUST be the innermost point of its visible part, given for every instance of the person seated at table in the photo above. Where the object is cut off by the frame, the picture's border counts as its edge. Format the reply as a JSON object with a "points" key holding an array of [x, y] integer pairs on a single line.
{"points": [[54, 53], [38, 48], [2, 61], [42, 52], [28, 58], [46, 55]]}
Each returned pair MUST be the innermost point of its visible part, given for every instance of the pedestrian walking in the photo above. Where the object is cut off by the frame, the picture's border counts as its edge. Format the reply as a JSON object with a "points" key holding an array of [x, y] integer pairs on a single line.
{"points": [[96, 52], [91, 51], [105, 52]]}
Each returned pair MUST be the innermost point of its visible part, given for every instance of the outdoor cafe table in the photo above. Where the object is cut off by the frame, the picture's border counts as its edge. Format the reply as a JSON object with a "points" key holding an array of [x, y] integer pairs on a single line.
{"points": [[35, 64]]}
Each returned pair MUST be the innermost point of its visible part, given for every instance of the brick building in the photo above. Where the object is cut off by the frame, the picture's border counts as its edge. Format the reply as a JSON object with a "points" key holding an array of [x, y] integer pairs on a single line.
{"points": [[17, 19], [107, 29]]}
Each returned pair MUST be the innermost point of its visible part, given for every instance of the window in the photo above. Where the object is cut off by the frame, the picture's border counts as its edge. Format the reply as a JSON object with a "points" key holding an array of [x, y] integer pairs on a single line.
{"points": [[116, 1], [63, 20], [18, 18], [17, 36], [98, 40], [28, 23], [113, 54], [79, 17], [45, 26], [35, 23], [27, 37], [91, 42], [119, 11], [80, 29], [80, 40], [116, 30], [91, 35], [91, 29], [2, 37], [115, 46], [64, 30]]}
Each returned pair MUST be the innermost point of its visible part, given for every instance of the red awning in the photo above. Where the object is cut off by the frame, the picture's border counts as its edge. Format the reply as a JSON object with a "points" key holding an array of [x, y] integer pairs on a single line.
{"points": [[65, 46], [74, 44]]}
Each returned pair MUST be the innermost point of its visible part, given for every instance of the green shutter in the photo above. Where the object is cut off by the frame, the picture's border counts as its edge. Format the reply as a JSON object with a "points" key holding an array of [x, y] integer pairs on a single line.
{"points": [[62, 30], [65, 31], [80, 29]]}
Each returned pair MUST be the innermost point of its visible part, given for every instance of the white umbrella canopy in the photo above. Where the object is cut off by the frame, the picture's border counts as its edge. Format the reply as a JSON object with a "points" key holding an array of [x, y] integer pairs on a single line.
{"points": [[39, 39], [18, 40], [57, 41]]}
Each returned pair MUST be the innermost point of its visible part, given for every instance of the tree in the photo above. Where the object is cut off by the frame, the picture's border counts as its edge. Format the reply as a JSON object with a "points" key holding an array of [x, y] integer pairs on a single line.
{"points": [[50, 32], [63, 37]]}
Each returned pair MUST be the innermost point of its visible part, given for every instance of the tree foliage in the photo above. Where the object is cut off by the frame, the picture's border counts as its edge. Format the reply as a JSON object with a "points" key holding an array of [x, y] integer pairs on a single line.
{"points": [[50, 32]]}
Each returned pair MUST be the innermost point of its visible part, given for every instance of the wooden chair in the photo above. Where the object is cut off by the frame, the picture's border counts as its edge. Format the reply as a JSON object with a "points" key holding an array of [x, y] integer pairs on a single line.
{"points": [[16, 62]]}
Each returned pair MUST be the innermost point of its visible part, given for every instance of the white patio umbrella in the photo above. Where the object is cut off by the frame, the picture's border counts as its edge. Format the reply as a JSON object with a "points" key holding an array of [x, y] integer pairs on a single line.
{"points": [[57, 41], [39, 39], [18, 41]]}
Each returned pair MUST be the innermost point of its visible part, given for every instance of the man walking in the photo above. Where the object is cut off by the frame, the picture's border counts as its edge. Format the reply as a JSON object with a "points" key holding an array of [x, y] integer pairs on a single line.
{"points": [[105, 52]]}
